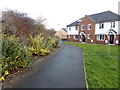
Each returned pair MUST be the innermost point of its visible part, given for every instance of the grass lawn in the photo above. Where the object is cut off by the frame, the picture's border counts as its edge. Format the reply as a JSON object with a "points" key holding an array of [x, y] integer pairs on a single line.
{"points": [[101, 69]]}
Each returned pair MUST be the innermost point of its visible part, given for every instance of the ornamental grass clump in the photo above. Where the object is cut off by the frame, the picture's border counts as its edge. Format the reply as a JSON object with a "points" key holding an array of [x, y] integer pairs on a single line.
{"points": [[14, 55]]}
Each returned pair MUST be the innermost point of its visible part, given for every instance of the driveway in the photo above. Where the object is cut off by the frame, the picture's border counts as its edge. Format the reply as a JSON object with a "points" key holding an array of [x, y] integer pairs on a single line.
{"points": [[64, 69]]}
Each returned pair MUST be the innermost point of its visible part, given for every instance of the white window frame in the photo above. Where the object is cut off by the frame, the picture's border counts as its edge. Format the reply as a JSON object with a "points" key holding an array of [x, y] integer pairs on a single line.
{"points": [[69, 28], [82, 27], [99, 37], [76, 28], [89, 26], [90, 36], [101, 25], [75, 37], [112, 24]]}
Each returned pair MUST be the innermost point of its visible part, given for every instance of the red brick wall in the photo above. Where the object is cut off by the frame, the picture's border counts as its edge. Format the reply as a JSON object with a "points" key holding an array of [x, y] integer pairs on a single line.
{"points": [[85, 21], [117, 38], [106, 38], [71, 39]]}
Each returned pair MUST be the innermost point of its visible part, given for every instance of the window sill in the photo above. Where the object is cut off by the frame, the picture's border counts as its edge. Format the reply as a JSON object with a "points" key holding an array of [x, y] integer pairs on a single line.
{"points": [[75, 39]]}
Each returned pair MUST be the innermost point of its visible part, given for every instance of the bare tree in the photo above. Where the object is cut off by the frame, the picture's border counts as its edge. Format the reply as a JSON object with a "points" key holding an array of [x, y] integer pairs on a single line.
{"points": [[17, 23], [40, 25], [20, 24], [41, 20]]}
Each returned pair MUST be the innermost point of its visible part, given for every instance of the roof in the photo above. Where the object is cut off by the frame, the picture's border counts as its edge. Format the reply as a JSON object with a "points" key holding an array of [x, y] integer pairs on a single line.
{"points": [[65, 29], [104, 17], [75, 23]]}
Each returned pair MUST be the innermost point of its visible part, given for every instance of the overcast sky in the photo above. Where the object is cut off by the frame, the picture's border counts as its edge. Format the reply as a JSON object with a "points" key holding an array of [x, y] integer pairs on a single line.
{"points": [[60, 13]]}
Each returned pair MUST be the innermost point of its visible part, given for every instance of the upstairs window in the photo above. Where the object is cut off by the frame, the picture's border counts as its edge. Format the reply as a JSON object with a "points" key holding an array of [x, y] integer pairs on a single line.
{"points": [[69, 28], [82, 27], [76, 27], [112, 24], [89, 26], [101, 25]]}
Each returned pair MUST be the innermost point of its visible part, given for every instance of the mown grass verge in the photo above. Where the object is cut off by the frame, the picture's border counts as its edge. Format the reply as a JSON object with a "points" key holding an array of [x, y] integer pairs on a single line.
{"points": [[101, 68]]}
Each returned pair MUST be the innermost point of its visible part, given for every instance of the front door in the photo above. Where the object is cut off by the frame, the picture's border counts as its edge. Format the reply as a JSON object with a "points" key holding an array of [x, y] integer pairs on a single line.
{"points": [[83, 38], [111, 39]]}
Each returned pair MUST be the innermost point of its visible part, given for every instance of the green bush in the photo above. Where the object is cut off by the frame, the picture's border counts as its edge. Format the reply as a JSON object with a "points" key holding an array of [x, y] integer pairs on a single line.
{"points": [[40, 45], [14, 55]]}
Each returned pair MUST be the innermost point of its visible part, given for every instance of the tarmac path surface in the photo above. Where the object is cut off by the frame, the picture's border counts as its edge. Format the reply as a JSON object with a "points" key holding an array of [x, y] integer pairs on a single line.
{"points": [[65, 69]]}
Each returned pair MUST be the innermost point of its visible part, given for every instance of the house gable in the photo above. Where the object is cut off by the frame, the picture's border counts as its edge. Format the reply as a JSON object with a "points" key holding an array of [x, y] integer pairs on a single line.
{"points": [[87, 21], [89, 29], [62, 33]]}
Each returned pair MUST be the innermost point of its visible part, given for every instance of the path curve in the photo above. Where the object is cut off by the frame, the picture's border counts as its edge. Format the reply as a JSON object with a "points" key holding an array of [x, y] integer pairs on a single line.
{"points": [[65, 69]]}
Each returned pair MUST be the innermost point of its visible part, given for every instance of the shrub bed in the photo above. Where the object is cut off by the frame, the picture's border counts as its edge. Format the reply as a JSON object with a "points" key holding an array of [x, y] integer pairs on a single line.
{"points": [[16, 55]]}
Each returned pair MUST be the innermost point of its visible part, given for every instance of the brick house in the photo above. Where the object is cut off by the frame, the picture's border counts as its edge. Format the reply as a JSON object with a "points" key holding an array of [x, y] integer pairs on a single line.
{"points": [[100, 28]]}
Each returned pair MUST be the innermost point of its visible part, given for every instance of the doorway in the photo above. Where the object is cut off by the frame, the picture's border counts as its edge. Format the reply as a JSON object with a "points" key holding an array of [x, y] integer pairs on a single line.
{"points": [[111, 39], [83, 38]]}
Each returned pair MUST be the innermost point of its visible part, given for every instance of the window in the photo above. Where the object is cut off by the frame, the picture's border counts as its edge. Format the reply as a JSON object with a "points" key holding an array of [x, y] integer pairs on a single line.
{"points": [[76, 37], [101, 25], [76, 27], [100, 37], [83, 27], [69, 28], [89, 26], [89, 36], [112, 24]]}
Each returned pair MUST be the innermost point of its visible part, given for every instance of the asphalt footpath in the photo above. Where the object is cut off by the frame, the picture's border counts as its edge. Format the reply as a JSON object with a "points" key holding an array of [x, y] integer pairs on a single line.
{"points": [[64, 69]]}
